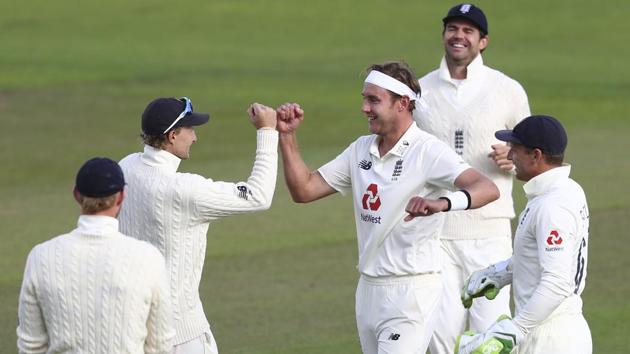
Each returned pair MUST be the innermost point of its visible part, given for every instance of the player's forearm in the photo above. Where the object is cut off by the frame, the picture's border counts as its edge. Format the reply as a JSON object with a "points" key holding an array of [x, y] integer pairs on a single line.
{"points": [[262, 180], [544, 301], [480, 188], [296, 173]]}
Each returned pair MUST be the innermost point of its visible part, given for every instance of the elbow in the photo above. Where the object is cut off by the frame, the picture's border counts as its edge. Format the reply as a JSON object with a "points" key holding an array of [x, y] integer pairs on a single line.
{"points": [[494, 192], [300, 198]]}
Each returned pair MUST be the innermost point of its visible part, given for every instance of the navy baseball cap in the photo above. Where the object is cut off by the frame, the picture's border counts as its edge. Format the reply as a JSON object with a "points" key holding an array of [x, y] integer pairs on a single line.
{"points": [[164, 114], [469, 12], [99, 177], [542, 132]]}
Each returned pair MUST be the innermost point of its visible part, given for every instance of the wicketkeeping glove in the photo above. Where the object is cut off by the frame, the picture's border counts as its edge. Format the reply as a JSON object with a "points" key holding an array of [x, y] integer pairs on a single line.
{"points": [[501, 338], [486, 282]]}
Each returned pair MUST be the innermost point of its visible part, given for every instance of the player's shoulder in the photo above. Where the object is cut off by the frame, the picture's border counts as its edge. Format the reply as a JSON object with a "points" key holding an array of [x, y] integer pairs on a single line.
{"points": [[567, 196], [429, 78], [191, 179], [129, 159], [54, 243], [141, 248], [506, 81], [362, 141]]}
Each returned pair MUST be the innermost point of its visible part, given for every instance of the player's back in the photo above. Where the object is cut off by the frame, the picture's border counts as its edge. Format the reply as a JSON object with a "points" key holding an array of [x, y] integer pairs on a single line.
{"points": [[95, 291]]}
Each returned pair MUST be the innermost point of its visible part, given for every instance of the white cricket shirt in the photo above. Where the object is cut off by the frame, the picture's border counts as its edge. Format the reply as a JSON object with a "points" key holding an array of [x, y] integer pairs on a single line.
{"points": [[465, 114], [418, 165], [550, 249]]}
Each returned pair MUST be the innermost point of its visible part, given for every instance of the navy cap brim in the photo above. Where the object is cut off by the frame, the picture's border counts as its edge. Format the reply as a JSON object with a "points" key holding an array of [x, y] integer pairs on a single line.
{"points": [[507, 136], [193, 119]]}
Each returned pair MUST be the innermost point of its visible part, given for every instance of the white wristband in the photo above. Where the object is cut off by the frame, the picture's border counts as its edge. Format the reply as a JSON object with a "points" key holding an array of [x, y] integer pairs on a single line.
{"points": [[459, 200]]}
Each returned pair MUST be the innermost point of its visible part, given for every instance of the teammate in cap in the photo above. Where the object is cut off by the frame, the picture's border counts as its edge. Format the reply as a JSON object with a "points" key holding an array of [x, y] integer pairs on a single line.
{"points": [[548, 268], [463, 103], [95, 290], [397, 177], [173, 210]]}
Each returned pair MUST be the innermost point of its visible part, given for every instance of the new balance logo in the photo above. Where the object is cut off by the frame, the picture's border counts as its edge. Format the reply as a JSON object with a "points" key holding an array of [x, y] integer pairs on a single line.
{"points": [[394, 336], [465, 8], [365, 164]]}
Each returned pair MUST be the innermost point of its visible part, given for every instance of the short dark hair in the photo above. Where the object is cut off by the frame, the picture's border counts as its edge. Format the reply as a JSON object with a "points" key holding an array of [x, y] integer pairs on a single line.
{"points": [[400, 71], [550, 159], [157, 141], [555, 160]]}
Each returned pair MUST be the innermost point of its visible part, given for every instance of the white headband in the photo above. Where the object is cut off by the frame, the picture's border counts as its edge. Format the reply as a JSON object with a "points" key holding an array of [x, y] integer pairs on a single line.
{"points": [[389, 83]]}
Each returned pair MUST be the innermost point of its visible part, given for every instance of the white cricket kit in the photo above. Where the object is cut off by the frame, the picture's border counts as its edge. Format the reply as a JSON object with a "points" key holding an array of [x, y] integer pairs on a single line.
{"points": [[465, 114], [173, 211], [95, 290], [549, 265], [392, 251], [465, 117]]}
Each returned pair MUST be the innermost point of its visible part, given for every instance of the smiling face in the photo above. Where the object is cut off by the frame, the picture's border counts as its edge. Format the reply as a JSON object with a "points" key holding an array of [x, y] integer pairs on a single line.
{"points": [[524, 160], [462, 41], [380, 108]]}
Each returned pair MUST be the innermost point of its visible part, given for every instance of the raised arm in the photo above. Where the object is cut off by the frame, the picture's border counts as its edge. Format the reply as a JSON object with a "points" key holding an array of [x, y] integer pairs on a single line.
{"points": [[303, 184]]}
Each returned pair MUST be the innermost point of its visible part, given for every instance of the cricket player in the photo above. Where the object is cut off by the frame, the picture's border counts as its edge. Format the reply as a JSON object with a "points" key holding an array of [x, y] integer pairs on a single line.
{"points": [[397, 177], [463, 103], [548, 268], [95, 290], [173, 210]]}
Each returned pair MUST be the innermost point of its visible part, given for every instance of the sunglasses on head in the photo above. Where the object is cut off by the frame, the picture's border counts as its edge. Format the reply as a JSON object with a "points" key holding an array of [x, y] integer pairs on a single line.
{"points": [[187, 110]]}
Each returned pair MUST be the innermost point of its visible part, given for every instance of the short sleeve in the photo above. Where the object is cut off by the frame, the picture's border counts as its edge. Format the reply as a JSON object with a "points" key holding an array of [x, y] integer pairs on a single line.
{"points": [[337, 172]]}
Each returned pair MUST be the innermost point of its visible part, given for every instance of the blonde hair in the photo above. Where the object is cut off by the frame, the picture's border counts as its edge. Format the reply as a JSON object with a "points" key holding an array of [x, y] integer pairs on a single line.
{"points": [[90, 205]]}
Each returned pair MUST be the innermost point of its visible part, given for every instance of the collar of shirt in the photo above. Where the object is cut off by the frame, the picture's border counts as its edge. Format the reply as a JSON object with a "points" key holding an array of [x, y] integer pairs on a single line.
{"points": [[96, 225], [160, 158], [545, 181], [403, 144], [473, 70]]}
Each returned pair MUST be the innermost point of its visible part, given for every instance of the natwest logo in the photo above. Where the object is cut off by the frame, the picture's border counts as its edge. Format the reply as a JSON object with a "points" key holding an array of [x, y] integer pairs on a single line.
{"points": [[554, 238], [371, 200]]}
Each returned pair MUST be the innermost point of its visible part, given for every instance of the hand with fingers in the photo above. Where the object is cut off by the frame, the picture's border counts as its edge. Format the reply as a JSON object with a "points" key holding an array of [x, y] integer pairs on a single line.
{"points": [[290, 116], [418, 206], [486, 282], [499, 155], [262, 116]]}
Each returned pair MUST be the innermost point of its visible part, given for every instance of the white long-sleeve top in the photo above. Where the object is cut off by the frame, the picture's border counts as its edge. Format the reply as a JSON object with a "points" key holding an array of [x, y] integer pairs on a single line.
{"points": [[550, 249], [173, 211], [465, 114], [95, 290]]}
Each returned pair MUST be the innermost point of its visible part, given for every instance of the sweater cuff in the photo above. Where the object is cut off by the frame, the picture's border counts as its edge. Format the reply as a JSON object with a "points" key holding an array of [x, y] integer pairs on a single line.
{"points": [[267, 139]]}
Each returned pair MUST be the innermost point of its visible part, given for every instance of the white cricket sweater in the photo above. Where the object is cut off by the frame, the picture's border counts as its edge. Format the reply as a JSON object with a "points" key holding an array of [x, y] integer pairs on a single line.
{"points": [[173, 211], [465, 115], [95, 290]]}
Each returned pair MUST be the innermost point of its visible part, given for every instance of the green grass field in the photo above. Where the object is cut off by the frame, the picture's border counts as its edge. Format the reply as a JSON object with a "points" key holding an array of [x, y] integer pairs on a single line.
{"points": [[76, 75]]}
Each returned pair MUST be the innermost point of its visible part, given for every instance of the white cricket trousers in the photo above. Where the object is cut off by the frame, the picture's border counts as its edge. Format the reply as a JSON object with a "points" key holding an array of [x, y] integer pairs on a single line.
{"points": [[397, 314], [563, 333], [461, 258], [204, 344]]}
